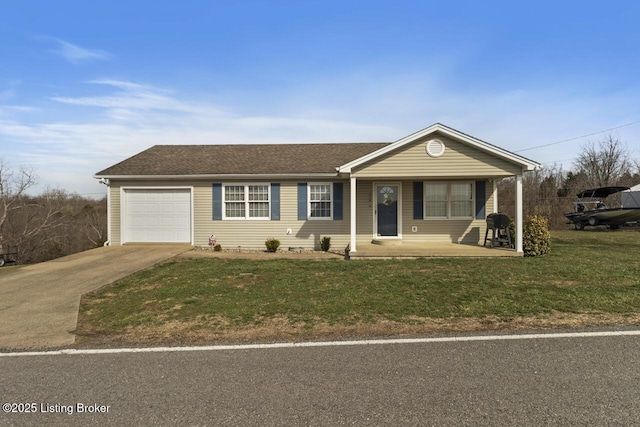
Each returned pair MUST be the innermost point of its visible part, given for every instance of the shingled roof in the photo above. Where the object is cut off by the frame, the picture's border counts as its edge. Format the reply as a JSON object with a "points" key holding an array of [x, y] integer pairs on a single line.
{"points": [[240, 159]]}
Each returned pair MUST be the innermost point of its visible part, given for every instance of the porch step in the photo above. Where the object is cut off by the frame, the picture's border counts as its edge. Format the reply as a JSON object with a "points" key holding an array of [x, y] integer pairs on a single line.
{"points": [[385, 242]]}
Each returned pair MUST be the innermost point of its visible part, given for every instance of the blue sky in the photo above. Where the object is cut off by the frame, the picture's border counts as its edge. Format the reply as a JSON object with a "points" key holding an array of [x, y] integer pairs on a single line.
{"points": [[84, 85]]}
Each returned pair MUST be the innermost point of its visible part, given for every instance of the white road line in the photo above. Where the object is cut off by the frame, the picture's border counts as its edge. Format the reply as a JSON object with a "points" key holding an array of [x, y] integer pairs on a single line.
{"points": [[327, 343]]}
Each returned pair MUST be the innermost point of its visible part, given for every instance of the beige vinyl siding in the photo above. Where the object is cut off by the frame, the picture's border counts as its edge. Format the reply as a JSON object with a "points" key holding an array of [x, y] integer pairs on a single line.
{"points": [[459, 160], [249, 234], [114, 202], [232, 234], [468, 231]]}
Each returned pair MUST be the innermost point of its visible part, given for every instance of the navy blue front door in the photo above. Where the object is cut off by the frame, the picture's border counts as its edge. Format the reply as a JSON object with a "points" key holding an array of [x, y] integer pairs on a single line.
{"points": [[387, 207]]}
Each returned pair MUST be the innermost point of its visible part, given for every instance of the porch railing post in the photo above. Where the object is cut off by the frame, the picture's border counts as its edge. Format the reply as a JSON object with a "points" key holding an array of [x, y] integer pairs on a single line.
{"points": [[519, 221], [352, 192]]}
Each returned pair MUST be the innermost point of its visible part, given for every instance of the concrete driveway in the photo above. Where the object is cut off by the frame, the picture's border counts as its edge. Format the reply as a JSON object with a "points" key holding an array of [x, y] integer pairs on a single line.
{"points": [[39, 303]]}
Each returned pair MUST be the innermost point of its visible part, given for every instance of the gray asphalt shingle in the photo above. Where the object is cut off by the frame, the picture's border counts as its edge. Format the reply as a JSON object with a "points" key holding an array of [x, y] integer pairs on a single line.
{"points": [[241, 159]]}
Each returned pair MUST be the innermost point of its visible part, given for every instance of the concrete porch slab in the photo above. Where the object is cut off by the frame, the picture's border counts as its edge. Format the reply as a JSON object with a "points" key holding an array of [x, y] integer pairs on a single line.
{"points": [[430, 250]]}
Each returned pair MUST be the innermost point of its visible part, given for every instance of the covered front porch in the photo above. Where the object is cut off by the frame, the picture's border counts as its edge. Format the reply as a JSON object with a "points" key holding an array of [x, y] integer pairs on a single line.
{"points": [[389, 220], [431, 193]]}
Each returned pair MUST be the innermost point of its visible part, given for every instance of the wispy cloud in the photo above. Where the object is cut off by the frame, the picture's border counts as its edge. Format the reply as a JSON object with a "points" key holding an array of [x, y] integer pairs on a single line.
{"points": [[132, 96], [131, 117], [76, 54], [138, 106], [5, 108]]}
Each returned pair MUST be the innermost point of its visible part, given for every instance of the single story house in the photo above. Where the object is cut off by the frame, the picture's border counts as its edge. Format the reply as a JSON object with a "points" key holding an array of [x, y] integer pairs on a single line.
{"points": [[435, 185]]}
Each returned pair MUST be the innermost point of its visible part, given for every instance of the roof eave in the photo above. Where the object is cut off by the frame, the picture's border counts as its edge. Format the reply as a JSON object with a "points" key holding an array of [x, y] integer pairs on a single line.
{"points": [[218, 176]]}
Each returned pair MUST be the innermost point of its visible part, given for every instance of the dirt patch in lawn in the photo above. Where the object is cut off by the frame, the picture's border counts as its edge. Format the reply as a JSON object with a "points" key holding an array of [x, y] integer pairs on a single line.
{"points": [[220, 330]]}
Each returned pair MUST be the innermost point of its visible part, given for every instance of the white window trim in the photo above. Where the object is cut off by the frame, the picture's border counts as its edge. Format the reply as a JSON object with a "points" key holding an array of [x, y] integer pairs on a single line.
{"points": [[123, 208], [449, 217], [319, 218], [246, 201]]}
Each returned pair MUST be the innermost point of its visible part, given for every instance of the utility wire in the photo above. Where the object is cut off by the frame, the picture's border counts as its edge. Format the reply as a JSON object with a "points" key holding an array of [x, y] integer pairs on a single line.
{"points": [[578, 137]]}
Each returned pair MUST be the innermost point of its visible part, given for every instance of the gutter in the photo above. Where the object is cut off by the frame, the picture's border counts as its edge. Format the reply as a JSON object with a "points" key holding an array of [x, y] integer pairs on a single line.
{"points": [[219, 176]]}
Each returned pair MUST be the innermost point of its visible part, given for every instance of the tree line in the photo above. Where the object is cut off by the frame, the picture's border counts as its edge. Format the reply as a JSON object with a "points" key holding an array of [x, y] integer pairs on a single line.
{"points": [[551, 191], [57, 223], [52, 224]]}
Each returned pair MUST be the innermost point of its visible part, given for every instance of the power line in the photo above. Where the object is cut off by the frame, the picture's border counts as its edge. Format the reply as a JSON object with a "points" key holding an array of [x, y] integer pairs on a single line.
{"points": [[578, 137]]}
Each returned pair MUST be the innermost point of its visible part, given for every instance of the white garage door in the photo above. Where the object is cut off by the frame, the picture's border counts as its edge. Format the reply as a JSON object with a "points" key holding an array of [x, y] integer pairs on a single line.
{"points": [[157, 216]]}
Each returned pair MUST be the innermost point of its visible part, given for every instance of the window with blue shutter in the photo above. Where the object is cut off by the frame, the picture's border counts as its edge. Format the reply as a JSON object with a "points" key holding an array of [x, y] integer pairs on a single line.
{"points": [[302, 201], [337, 200], [275, 202], [217, 201], [418, 200]]}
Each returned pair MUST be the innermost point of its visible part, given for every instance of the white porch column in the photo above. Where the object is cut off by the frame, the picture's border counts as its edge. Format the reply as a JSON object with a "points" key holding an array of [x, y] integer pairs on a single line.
{"points": [[352, 191], [519, 221], [495, 195]]}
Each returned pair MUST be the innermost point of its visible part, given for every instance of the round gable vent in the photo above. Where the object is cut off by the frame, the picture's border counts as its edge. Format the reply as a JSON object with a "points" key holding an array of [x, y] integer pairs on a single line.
{"points": [[435, 148]]}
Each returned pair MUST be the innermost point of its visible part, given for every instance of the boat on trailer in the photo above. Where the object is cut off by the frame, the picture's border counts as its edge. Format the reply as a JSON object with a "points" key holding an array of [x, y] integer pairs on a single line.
{"points": [[590, 209]]}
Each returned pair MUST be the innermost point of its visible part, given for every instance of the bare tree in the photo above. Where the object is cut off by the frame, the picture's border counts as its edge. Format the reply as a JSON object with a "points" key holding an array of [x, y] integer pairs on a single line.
{"points": [[50, 225], [93, 220], [37, 226], [13, 185], [541, 195], [550, 192], [604, 163]]}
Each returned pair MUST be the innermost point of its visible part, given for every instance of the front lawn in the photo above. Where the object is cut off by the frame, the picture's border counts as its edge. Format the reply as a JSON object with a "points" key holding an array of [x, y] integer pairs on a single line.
{"points": [[591, 277]]}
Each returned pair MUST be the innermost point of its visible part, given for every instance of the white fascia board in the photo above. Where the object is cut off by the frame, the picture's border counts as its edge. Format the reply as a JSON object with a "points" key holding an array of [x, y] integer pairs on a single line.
{"points": [[527, 165], [220, 176]]}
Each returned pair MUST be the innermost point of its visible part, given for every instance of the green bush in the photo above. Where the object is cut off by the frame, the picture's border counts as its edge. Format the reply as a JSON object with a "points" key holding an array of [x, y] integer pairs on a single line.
{"points": [[325, 243], [272, 244], [536, 239]]}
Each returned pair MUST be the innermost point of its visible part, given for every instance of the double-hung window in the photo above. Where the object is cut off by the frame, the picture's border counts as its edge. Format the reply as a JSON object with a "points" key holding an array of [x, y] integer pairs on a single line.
{"points": [[249, 201], [461, 200], [448, 200], [436, 200], [320, 201]]}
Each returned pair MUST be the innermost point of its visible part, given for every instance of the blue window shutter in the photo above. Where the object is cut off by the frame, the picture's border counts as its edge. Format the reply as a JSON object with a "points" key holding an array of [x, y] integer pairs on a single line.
{"points": [[337, 200], [418, 200], [302, 201], [217, 201], [275, 202], [481, 199]]}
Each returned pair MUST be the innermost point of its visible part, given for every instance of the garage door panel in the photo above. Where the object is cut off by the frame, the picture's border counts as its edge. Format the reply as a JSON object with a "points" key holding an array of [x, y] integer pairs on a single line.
{"points": [[157, 216], [168, 223]]}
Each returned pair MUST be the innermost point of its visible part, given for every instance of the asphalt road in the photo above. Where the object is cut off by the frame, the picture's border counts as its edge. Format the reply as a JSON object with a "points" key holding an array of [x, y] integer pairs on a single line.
{"points": [[564, 382]]}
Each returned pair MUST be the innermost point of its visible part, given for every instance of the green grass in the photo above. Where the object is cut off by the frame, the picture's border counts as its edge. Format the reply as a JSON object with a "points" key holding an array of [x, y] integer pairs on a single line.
{"points": [[588, 272]]}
